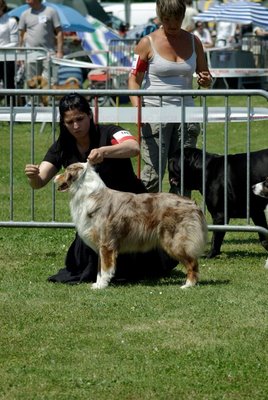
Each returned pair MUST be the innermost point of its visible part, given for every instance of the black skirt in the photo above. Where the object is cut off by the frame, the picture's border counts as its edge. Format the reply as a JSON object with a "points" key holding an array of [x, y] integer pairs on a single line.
{"points": [[82, 265]]}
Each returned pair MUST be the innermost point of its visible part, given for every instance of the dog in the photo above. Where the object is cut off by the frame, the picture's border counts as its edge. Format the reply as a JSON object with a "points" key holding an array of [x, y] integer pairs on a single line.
{"points": [[39, 82], [261, 189], [113, 222], [214, 185]]}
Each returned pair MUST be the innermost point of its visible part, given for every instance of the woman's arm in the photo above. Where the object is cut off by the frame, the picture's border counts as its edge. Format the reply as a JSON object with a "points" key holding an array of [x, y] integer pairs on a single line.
{"points": [[59, 42], [204, 76], [126, 149], [21, 37], [40, 175], [142, 55], [134, 83], [13, 32]]}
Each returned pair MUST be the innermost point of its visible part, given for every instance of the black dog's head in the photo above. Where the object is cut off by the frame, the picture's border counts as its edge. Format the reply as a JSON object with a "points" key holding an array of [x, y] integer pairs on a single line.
{"points": [[261, 189], [192, 169]]}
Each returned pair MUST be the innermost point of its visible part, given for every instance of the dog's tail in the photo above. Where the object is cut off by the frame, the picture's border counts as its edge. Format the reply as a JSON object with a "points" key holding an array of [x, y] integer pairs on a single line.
{"points": [[197, 234], [189, 237]]}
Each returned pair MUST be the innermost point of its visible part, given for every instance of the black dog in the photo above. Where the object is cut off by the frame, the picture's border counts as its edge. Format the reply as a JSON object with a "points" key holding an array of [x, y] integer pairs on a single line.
{"points": [[214, 184]]}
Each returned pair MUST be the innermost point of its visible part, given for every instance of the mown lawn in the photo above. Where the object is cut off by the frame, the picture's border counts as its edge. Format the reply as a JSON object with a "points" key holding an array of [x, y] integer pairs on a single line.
{"points": [[143, 340]]}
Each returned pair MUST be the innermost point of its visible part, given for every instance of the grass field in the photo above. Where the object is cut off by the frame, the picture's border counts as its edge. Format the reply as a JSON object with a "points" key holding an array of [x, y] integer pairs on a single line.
{"points": [[133, 341]]}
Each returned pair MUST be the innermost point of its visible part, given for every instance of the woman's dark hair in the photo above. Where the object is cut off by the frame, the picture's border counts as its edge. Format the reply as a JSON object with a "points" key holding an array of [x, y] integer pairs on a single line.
{"points": [[74, 101]]}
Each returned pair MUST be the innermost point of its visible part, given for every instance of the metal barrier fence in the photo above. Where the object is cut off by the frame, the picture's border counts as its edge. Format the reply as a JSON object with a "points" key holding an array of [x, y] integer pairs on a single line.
{"points": [[121, 53], [23, 207], [16, 64], [19, 64], [258, 45], [114, 75]]}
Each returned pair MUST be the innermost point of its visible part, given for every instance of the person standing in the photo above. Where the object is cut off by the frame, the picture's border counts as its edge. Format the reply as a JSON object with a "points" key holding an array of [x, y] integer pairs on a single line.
{"points": [[109, 148], [188, 21], [8, 38], [153, 24], [225, 34], [203, 34], [259, 31], [166, 60], [39, 26]]}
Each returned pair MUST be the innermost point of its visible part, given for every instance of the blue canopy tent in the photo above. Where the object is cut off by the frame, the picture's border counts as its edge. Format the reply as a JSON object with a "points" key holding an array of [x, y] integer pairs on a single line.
{"points": [[240, 12]]}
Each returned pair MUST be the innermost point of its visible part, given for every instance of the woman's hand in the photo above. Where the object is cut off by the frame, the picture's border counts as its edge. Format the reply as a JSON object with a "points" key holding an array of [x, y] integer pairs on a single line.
{"points": [[204, 79], [40, 175], [125, 149], [96, 156], [31, 171]]}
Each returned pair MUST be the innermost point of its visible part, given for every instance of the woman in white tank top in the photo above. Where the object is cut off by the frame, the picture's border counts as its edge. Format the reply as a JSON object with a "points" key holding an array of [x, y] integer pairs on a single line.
{"points": [[166, 60]]}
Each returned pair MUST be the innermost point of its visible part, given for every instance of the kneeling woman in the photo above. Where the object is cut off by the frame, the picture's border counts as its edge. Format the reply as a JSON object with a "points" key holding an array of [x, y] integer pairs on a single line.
{"points": [[110, 148]]}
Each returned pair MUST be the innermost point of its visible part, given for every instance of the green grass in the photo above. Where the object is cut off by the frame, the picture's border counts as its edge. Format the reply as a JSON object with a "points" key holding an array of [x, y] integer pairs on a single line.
{"points": [[133, 341], [145, 340]]}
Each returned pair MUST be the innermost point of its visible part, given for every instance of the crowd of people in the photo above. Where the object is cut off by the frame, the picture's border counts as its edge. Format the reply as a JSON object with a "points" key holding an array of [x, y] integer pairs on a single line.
{"points": [[38, 26], [212, 34]]}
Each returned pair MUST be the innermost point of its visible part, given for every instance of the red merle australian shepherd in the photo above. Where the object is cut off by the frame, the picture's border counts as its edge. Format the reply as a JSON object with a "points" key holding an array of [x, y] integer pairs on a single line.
{"points": [[113, 222]]}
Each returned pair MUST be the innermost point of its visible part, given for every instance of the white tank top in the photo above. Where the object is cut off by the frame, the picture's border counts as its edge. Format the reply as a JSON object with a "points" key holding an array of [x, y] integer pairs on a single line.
{"points": [[163, 74]]}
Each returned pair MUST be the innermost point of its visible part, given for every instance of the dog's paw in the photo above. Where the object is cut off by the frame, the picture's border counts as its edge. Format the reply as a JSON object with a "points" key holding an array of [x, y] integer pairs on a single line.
{"points": [[98, 285], [188, 284], [266, 264]]}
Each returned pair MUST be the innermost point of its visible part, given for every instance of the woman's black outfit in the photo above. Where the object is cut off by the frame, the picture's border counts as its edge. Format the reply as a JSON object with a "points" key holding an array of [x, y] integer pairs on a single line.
{"points": [[81, 261]]}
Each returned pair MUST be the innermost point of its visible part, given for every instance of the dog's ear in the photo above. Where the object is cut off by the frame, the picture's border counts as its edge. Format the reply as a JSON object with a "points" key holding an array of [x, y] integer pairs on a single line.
{"points": [[73, 171], [70, 175]]}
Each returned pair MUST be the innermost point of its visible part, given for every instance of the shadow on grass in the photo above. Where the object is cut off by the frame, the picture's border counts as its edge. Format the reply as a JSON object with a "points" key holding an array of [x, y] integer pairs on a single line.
{"points": [[239, 241], [240, 254], [240, 248], [214, 282], [176, 277]]}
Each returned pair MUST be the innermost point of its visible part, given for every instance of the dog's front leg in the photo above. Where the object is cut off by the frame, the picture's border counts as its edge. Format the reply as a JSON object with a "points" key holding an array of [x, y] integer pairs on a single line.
{"points": [[106, 267]]}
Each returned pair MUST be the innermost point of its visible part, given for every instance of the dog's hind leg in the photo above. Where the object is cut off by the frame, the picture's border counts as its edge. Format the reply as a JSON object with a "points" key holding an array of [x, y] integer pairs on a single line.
{"points": [[217, 236], [189, 262], [216, 242], [106, 267], [191, 266]]}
